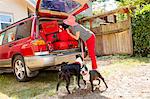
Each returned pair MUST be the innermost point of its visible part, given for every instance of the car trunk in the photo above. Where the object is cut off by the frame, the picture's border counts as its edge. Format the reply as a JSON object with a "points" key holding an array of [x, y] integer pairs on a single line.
{"points": [[58, 41], [51, 14]]}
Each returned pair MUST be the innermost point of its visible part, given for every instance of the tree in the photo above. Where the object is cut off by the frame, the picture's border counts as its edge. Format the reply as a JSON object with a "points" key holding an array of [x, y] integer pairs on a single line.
{"points": [[133, 2]]}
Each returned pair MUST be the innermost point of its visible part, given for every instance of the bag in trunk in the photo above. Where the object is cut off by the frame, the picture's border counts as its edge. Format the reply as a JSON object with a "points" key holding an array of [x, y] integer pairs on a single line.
{"points": [[62, 45], [50, 27], [51, 37], [64, 36]]}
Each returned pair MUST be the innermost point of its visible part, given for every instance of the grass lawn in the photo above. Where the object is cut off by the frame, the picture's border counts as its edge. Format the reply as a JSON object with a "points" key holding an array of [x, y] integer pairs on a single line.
{"points": [[45, 82]]}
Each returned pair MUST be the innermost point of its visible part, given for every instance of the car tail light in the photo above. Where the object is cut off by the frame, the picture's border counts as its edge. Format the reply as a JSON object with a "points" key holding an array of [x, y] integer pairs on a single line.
{"points": [[38, 42]]}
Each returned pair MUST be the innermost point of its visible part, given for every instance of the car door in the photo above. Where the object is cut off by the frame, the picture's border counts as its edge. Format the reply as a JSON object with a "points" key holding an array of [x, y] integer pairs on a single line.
{"points": [[7, 44], [1, 40]]}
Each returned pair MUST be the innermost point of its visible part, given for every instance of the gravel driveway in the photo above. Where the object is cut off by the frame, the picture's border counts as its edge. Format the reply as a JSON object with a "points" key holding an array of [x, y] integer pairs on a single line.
{"points": [[131, 83], [123, 83]]}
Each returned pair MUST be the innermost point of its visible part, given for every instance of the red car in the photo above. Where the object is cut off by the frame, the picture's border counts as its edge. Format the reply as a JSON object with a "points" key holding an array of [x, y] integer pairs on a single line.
{"points": [[39, 41]]}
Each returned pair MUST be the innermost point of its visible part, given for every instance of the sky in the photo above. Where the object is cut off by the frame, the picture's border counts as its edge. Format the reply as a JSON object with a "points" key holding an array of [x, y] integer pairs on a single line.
{"points": [[109, 5]]}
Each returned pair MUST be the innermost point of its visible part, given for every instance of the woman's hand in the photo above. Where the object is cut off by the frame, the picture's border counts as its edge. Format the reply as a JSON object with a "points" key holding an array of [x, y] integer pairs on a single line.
{"points": [[76, 37]]}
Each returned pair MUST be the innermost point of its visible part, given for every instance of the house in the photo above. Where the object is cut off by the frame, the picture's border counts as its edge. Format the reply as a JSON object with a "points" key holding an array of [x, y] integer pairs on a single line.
{"points": [[14, 10]]}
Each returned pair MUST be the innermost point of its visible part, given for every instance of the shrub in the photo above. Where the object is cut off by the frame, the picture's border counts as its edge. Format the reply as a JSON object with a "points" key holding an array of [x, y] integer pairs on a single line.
{"points": [[141, 31]]}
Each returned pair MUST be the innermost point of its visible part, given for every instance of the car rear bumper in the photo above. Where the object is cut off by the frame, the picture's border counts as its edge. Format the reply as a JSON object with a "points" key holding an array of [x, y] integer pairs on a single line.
{"points": [[36, 62]]}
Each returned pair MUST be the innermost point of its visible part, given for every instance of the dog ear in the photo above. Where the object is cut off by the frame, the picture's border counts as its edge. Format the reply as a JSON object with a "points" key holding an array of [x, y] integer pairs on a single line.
{"points": [[79, 55]]}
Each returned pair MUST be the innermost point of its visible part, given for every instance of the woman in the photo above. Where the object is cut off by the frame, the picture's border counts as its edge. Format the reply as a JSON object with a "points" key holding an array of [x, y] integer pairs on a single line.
{"points": [[86, 35]]}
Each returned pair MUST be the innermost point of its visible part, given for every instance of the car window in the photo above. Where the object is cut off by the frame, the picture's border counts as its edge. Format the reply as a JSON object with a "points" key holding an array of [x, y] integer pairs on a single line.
{"points": [[60, 5], [24, 30], [9, 35], [2, 37]]}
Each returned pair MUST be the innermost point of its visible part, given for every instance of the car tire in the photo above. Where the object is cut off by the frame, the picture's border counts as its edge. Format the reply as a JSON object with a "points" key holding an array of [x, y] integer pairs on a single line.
{"points": [[20, 69]]}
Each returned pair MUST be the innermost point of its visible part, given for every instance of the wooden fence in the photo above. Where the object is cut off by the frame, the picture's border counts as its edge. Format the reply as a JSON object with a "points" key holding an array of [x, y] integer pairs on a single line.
{"points": [[114, 38]]}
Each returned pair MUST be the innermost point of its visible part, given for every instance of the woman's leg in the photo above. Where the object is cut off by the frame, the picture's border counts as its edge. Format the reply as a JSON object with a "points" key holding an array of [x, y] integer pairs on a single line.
{"points": [[91, 49]]}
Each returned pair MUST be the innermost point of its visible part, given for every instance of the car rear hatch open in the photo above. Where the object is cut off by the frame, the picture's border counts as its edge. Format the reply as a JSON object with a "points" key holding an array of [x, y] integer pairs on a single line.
{"points": [[60, 8]]}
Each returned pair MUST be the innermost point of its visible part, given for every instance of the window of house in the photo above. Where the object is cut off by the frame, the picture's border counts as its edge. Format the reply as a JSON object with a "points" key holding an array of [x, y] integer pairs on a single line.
{"points": [[9, 35], [5, 20], [2, 37], [24, 30]]}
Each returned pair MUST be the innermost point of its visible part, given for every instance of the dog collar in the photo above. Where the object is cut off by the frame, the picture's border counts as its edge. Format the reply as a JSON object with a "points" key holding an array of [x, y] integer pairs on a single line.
{"points": [[77, 63]]}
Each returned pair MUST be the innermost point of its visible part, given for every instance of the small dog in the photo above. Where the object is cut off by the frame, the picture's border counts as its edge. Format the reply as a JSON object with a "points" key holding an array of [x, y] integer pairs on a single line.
{"points": [[68, 70], [93, 77]]}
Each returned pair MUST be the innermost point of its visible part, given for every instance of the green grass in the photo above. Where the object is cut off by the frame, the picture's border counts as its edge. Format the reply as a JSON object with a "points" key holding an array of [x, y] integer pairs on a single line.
{"points": [[45, 83], [125, 59]]}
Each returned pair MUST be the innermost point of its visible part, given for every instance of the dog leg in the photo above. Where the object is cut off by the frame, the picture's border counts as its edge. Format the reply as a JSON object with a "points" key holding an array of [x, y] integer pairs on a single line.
{"points": [[91, 81], [67, 85], [58, 85], [60, 78], [79, 81], [104, 81], [85, 85], [94, 87], [99, 87]]}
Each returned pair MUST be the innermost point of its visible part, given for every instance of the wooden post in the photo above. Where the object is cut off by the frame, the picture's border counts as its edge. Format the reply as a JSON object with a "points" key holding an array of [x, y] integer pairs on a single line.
{"points": [[91, 24], [130, 33]]}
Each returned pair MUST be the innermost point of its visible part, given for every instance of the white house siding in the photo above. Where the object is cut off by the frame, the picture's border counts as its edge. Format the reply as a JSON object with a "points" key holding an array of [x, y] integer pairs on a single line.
{"points": [[17, 8]]}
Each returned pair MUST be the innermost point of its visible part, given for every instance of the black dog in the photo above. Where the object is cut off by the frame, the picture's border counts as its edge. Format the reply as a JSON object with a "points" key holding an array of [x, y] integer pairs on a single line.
{"points": [[68, 70], [92, 76]]}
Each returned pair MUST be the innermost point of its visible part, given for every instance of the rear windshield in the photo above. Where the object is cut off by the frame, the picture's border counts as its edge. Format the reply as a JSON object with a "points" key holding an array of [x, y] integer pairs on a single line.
{"points": [[67, 6]]}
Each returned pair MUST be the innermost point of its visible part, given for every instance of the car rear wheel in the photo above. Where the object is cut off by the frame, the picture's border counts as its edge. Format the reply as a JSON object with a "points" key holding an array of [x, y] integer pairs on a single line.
{"points": [[19, 68]]}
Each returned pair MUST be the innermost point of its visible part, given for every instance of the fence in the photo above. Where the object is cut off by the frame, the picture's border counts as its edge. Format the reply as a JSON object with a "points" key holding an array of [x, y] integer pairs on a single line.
{"points": [[113, 38]]}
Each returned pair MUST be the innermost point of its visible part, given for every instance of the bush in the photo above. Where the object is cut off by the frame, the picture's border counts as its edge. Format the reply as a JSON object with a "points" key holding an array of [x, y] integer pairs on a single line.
{"points": [[141, 31]]}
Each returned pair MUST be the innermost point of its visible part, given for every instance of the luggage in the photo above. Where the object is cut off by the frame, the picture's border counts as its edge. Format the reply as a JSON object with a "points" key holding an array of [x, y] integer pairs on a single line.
{"points": [[56, 40], [62, 45], [51, 38], [50, 27], [64, 36], [73, 44], [42, 34]]}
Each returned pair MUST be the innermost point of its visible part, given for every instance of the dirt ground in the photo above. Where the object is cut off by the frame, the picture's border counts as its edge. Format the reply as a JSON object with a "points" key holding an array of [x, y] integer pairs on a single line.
{"points": [[124, 82], [126, 77]]}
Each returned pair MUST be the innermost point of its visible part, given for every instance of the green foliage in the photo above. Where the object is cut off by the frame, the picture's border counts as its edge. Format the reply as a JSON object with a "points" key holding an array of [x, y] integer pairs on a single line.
{"points": [[133, 2], [140, 25], [100, 0], [98, 11], [141, 31], [121, 17]]}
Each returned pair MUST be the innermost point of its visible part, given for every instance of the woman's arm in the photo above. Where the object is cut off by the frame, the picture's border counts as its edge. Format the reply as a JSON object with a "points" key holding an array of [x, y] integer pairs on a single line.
{"points": [[74, 36]]}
